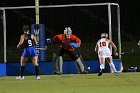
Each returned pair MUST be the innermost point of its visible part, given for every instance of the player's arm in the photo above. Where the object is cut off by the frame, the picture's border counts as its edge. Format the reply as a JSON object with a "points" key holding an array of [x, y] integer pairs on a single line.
{"points": [[96, 48], [57, 38], [54, 39], [114, 46], [21, 41], [78, 41], [34, 39]]}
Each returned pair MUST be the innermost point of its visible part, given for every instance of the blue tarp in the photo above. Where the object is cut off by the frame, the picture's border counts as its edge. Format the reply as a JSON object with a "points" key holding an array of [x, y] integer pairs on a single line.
{"points": [[13, 68]]}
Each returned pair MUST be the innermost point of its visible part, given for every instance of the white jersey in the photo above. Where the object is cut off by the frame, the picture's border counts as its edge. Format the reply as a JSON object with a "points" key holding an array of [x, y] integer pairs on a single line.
{"points": [[103, 48]]}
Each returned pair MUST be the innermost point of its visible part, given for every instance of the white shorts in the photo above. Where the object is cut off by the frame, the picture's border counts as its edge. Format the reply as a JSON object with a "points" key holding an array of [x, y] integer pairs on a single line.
{"points": [[104, 53]]}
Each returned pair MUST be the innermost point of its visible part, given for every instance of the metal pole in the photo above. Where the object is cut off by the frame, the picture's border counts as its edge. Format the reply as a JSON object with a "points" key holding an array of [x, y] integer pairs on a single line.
{"points": [[119, 38], [37, 11], [4, 33], [110, 29], [52, 6], [109, 21]]}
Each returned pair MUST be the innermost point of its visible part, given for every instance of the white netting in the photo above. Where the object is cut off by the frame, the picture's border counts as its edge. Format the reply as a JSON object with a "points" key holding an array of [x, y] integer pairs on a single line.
{"points": [[87, 22]]}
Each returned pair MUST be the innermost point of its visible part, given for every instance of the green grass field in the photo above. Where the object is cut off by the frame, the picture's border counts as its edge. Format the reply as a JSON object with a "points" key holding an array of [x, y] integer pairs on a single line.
{"points": [[73, 83]]}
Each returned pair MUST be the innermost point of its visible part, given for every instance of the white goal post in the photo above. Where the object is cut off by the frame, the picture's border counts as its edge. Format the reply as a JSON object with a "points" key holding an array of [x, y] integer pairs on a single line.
{"points": [[70, 5]]}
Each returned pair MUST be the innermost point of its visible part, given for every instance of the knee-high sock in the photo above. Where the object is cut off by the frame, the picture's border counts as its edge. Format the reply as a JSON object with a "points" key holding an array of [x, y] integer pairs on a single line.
{"points": [[37, 70], [113, 66], [102, 66], [22, 70]]}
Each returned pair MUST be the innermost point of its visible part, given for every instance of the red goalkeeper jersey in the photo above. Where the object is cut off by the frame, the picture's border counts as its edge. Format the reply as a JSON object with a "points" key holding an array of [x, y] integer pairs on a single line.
{"points": [[61, 38]]}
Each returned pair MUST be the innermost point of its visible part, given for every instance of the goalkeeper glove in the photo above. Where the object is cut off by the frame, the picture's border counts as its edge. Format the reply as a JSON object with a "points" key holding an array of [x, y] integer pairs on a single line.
{"points": [[75, 45], [48, 40]]}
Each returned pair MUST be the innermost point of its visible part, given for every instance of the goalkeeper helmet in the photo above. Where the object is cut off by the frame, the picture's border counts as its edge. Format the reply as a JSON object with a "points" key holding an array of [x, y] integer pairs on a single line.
{"points": [[104, 35], [67, 32]]}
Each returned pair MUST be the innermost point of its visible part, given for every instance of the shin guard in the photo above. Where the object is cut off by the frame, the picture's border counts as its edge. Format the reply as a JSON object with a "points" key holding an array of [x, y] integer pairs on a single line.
{"points": [[80, 65], [58, 63]]}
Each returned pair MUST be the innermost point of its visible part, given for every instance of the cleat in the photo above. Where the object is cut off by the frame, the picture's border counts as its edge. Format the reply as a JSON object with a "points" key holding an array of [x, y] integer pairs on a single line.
{"points": [[58, 73], [20, 78], [100, 73], [116, 73], [84, 72], [38, 78]]}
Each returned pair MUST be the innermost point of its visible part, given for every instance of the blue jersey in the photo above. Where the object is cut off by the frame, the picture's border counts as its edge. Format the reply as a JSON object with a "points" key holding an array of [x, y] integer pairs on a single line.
{"points": [[29, 47]]}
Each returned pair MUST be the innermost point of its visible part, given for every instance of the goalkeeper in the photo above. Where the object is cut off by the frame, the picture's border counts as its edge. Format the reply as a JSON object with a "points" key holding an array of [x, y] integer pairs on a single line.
{"points": [[69, 43]]}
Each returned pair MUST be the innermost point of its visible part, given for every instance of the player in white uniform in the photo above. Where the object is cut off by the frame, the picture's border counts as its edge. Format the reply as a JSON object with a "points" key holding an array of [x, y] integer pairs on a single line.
{"points": [[102, 48]]}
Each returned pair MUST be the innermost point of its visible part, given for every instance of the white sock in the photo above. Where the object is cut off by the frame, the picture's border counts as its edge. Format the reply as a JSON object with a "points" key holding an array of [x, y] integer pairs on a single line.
{"points": [[113, 66], [102, 66]]}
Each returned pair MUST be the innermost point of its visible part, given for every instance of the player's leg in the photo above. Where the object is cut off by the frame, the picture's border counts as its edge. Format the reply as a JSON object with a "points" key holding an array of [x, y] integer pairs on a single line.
{"points": [[78, 61], [102, 66], [23, 60], [36, 66], [79, 65], [58, 62], [85, 66], [111, 64], [22, 67]]}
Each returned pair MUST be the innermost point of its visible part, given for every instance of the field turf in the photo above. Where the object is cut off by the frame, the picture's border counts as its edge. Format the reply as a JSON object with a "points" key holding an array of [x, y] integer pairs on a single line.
{"points": [[126, 82]]}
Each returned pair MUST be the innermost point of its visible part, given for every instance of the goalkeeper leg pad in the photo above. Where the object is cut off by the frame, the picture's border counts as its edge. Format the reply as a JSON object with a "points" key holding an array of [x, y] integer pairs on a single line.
{"points": [[58, 63], [85, 66], [79, 65]]}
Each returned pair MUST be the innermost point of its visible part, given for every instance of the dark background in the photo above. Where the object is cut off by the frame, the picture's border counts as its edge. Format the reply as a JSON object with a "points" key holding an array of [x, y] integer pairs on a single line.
{"points": [[129, 11], [129, 22]]}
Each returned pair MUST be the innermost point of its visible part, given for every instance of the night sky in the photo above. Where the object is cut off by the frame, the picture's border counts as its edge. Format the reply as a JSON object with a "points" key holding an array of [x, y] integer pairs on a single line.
{"points": [[86, 23], [129, 11]]}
